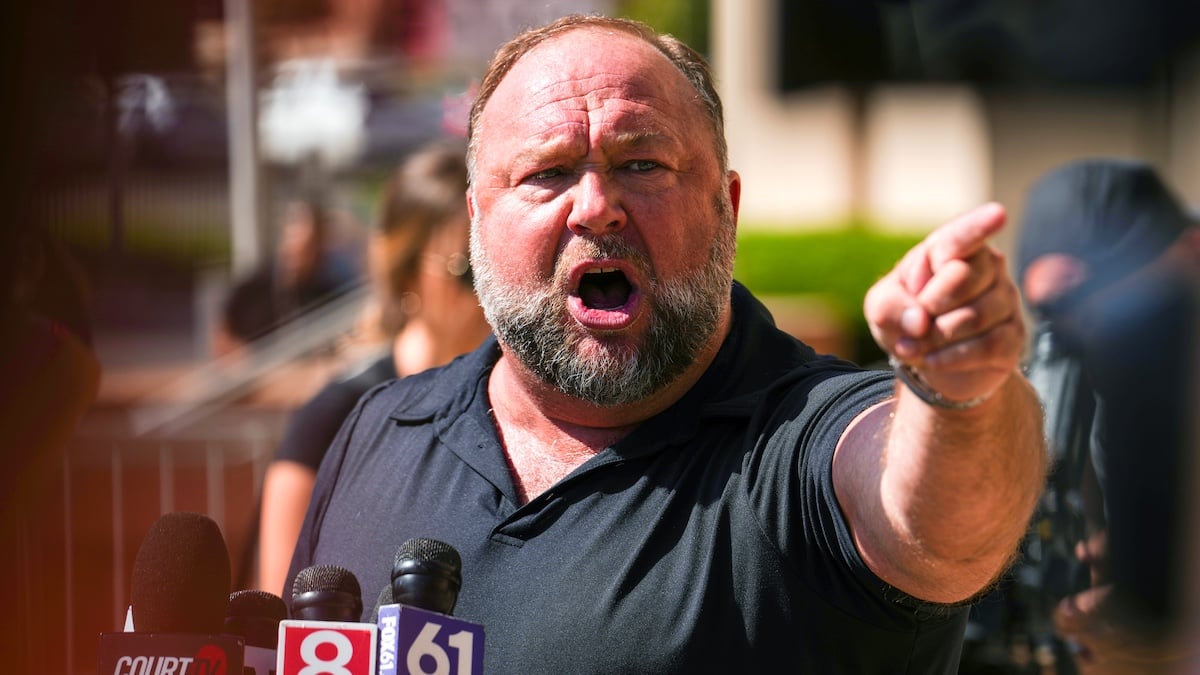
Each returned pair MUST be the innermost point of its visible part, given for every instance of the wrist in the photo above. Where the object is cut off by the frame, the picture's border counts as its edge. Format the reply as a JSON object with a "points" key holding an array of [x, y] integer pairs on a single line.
{"points": [[918, 386]]}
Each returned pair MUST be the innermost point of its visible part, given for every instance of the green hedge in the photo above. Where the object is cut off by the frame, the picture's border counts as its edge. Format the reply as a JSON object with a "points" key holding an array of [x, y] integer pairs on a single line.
{"points": [[836, 265]]}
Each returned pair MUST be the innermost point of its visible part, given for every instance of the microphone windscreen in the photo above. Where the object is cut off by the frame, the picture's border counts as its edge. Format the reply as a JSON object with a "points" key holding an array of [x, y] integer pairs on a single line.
{"points": [[326, 593], [181, 576], [427, 556], [427, 573], [255, 615]]}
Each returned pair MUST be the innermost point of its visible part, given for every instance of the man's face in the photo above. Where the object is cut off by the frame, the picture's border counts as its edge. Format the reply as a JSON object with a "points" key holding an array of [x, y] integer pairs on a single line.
{"points": [[603, 228]]}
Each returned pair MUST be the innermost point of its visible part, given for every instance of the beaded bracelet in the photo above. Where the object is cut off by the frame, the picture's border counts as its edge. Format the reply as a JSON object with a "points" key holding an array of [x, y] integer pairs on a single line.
{"points": [[912, 379]]}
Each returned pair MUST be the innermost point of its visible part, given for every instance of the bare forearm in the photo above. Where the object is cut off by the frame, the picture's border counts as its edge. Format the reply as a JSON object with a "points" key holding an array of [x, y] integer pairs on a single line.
{"points": [[938, 499], [287, 488], [963, 483]]}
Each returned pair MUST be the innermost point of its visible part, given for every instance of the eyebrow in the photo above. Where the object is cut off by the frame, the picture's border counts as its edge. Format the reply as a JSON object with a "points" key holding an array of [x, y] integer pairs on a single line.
{"points": [[640, 138], [621, 140]]}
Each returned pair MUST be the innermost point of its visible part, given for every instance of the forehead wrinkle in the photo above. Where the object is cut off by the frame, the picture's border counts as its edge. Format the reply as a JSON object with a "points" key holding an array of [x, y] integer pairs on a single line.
{"points": [[571, 137], [632, 102], [643, 84], [639, 73], [636, 88], [623, 121]]}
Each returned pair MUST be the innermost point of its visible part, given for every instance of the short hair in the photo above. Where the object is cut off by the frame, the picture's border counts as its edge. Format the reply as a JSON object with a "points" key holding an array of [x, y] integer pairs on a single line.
{"points": [[689, 62]]}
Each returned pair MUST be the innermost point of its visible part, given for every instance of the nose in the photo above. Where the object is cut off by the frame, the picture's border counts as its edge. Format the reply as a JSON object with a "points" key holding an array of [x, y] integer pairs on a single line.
{"points": [[596, 206]]}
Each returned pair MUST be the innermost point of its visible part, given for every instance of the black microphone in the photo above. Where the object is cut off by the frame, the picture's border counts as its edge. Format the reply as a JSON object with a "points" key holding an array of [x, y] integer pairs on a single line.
{"points": [[179, 592], [416, 629], [326, 593], [324, 633], [427, 573], [181, 576], [255, 615]]}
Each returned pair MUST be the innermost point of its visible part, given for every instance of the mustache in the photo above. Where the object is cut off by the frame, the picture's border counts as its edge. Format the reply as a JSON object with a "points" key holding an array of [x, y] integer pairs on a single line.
{"points": [[607, 246]]}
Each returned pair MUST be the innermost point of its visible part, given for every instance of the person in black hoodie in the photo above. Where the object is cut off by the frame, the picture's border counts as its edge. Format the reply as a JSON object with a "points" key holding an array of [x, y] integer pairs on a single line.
{"points": [[1108, 260]]}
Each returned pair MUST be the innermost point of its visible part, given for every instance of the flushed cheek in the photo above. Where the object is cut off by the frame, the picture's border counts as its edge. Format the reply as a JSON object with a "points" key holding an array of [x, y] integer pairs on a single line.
{"points": [[672, 241], [517, 265], [523, 243]]}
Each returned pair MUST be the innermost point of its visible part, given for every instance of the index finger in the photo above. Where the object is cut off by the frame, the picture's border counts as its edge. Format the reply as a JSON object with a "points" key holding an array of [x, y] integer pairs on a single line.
{"points": [[964, 236]]}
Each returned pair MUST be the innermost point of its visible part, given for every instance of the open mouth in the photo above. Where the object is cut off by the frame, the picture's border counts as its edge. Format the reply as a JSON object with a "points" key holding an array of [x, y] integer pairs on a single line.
{"points": [[605, 298], [604, 289]]}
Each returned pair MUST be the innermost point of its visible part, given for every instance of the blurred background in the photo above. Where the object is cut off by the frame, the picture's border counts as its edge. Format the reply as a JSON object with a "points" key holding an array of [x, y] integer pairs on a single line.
{"points": [[160, 150]]}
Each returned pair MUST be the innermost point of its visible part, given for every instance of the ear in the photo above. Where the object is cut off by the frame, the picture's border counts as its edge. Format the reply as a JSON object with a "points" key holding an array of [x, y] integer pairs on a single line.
{"points": [[735, 192]]}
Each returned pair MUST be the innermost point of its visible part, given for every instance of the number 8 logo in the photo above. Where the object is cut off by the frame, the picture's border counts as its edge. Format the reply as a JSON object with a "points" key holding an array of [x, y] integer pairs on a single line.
{"points": [[317, 666]]}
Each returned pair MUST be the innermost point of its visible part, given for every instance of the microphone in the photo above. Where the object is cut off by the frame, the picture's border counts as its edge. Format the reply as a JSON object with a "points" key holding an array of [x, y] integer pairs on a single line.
{"points": [[324, 634], [181, 576], [427, 573], [417, 632], [255, 615], [326, 593], [179, 591]]}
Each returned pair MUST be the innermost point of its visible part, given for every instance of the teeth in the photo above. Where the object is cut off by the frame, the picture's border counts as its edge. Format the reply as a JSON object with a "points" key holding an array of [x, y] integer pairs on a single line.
{"points": [[601, 270]]}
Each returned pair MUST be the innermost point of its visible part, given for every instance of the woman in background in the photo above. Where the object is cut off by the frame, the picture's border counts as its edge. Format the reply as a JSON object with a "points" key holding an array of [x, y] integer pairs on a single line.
{"points": [[424, 314]]}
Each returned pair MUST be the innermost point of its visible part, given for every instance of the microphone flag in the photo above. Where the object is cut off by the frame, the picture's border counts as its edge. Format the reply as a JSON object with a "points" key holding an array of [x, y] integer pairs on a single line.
{"points": [[177, 653], [414, 641], [307, 647]]}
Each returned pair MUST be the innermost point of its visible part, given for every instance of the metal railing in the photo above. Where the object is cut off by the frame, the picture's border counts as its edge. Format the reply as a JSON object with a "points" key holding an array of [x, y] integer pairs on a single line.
{"points": [[199, 443], [79, 540]]}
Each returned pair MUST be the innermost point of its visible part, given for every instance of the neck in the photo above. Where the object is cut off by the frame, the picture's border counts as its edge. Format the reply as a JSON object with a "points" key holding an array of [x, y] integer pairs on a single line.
{"points": [[542, 447], [520, 401]]}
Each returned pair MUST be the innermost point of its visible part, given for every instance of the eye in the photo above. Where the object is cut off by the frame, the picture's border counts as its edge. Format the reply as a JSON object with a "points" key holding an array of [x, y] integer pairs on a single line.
{"points": [[642, 165], [546, 174]]}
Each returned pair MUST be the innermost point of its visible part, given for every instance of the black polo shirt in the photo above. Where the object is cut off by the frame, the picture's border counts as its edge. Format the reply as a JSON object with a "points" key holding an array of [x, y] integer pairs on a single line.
{"points": [[708, 540], [313, 426]]}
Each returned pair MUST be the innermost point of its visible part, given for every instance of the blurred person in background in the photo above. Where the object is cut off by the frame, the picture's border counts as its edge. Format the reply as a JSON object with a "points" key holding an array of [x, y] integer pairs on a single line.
{"points": [[423, 314], [51, 373], [1109, 265], [304, 273]]}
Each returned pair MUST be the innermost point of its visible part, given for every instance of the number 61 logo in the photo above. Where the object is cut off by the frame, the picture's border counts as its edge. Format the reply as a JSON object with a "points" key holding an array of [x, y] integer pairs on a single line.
{"points": [[418, 642]]}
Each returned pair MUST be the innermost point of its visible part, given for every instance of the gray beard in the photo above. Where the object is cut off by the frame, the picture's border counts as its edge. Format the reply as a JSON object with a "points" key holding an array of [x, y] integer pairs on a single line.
{"points": [[535, 327]]}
